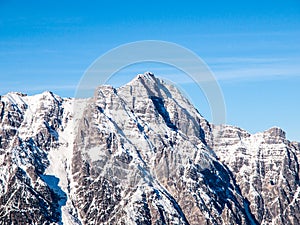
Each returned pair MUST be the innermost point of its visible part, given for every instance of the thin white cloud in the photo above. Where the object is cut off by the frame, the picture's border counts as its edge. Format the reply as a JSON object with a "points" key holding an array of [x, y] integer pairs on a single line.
{"points": [[255, 68], [256, 73], [226, 60], [224, 69]]}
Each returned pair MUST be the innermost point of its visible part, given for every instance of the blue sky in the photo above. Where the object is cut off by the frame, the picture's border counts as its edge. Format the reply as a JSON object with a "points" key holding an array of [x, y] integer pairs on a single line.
{"points": [[252, 47]]}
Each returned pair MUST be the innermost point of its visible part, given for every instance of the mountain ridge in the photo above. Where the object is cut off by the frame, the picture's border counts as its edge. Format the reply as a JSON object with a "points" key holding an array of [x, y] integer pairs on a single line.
{"points": [[139, 154]]}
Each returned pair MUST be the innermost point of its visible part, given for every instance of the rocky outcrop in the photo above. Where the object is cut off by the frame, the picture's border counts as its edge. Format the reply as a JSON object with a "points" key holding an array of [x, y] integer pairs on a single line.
{"points": [[265, 166], [26, 136]]}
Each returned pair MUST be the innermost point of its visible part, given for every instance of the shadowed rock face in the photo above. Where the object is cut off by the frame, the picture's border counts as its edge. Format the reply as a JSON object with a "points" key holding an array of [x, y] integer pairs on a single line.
{"points": [[139, 154]]}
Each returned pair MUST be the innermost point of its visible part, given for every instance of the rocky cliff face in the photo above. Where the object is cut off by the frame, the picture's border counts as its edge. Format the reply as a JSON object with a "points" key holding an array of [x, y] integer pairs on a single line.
{"points": [[26, 138], [139, 154], [266, 168]]}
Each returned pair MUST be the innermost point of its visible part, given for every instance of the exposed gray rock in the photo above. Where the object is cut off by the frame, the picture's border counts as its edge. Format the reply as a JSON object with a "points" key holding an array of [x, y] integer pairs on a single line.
{"points": [[266, 168]]}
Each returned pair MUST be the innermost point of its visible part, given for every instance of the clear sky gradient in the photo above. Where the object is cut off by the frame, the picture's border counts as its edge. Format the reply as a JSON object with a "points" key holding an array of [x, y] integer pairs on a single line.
{"points": [[253, 48]]}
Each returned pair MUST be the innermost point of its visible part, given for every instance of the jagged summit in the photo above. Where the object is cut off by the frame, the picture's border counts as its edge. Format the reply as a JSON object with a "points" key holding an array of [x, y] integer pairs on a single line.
{"points": [[147, 75], [146, 84], [149, 85]]}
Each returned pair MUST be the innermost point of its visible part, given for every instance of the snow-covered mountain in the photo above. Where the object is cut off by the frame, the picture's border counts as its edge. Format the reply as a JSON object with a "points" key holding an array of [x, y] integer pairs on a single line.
{"points": [[139, 154]]}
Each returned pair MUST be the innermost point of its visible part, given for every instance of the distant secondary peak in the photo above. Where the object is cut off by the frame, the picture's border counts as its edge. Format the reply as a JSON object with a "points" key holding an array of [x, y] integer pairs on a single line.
{"points": [[276, 132], [17, 93]]}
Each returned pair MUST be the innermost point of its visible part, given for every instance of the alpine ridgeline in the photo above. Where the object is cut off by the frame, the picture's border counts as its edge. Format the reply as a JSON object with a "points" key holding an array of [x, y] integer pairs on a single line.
{"points": [[139, 154]]}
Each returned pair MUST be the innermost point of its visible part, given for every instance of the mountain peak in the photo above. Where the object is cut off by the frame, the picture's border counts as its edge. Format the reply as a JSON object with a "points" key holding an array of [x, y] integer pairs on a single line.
{"points": [[147, 76], [146, 85], [276, 132]]}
